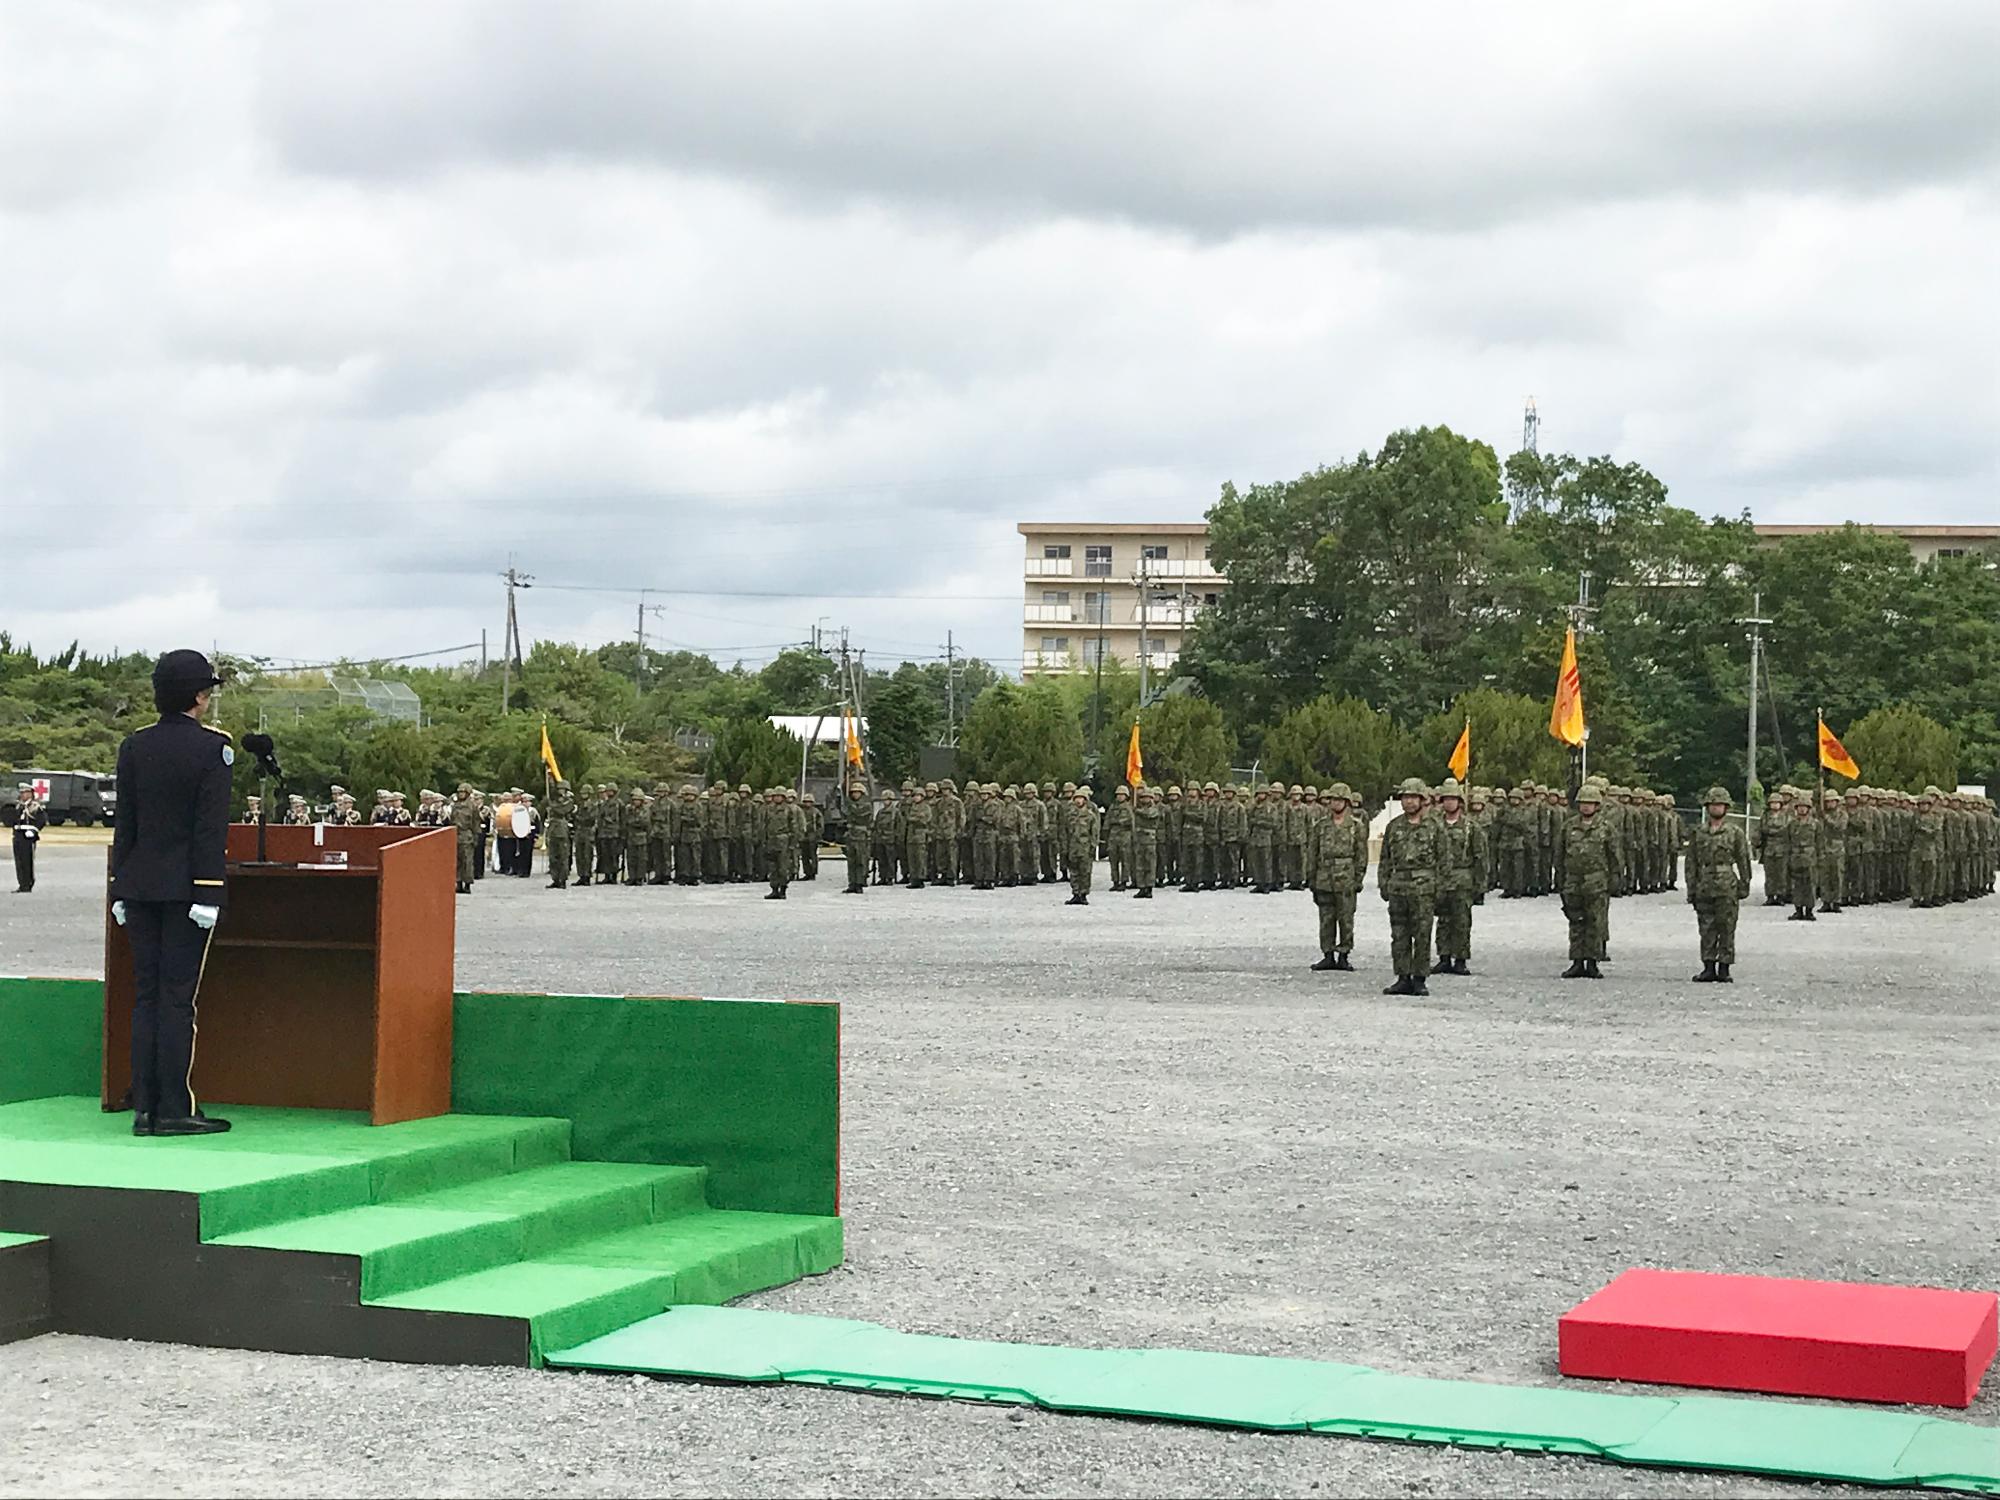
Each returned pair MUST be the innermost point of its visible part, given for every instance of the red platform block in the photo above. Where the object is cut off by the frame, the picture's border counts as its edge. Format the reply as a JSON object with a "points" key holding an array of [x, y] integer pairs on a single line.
{"points": [[1796, 1338]]}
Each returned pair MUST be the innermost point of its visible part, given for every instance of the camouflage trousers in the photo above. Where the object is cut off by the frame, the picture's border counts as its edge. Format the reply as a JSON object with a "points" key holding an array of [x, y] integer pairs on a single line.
{"points": [[985, 858], [559, 854], [1233, 865], [1411, 915], [1191, 862], [1263, 871], [586, 858], [1336, 921], [857, 864], [1716, 919], [660, 858], [1802, 882], [1048, 843], [635, 861], [607, 859], [778, 861], [944, 859], [1145, 861], [1589, 924], [917, 857], [1079, 876], [1120, 846], [687, 859], [1454, 924], [1513, 870], [1833, 877], [466, 848]]}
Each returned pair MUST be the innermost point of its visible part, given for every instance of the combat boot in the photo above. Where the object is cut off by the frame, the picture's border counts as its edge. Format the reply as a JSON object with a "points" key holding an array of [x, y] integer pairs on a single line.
{"points": [[1417, 986], [1590, 970], [1461, 969], [1827, 906], [1576, 970], [1722, 974], [1143, 895], [1077, 901], [1345, 965], [1331, 961], [1400, 987], [1707, 974], [774, 895]]}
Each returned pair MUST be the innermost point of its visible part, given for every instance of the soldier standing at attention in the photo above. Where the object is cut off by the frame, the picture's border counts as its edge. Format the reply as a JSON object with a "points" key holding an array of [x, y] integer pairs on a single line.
{"points": [[1462, 879], [888, 818], [917, 839], [1409, 873], [858, 840], [1336, 861], [780, 827], [985, 865], [610, 827], [945, 811], [28, 820], [1775, 832], [638, 823], [1145, 842], [1080, 841], [562, 808], [812, 829], [1118, 835], [1832, 856], [465, 824], [1007, 827], [1170, 837], [1718, 878], [687, 837], [167, 890], [1583, 876], [1801, 859], [583, 826], [660, 835]]}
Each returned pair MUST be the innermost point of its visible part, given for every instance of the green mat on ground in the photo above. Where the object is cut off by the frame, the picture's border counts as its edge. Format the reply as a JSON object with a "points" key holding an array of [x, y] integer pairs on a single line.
{"points": [[1843, 1443]]}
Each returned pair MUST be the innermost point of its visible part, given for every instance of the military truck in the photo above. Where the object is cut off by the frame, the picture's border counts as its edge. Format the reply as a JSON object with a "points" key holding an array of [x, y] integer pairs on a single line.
{"points": [[79, 797]]}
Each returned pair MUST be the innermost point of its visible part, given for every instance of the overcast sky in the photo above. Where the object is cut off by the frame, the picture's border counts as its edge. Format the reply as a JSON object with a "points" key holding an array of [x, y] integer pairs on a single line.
{"points": [[310, 315]]}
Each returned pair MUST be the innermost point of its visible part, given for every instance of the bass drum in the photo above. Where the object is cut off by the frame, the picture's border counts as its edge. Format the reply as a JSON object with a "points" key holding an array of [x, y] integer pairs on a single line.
{"points": [[524, 822]]}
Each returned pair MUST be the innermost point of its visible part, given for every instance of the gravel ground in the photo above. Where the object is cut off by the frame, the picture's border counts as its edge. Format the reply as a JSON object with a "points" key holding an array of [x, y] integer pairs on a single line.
{"points": [[1149, 1124]]}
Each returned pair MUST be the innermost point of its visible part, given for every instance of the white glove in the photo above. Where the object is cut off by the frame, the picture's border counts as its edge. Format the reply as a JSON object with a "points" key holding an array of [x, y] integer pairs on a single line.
{"points": [[118, 912], [204, 916]]}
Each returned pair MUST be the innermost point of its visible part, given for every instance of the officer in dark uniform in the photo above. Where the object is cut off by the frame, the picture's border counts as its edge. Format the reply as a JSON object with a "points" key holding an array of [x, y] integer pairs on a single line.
{"points": [[167, 885], [27, 819]]}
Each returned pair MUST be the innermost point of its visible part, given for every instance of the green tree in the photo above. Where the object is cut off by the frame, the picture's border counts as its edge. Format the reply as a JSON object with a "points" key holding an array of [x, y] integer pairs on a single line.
{"points": [[1016, 734], [1896, 746], [1339, 739], [755, 751], [1510, 741], [1185, 740], [902, 719]]}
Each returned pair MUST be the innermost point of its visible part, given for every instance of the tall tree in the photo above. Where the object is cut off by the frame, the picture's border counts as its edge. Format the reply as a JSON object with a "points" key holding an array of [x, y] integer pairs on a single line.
{"points": [[1185, 740], [1339, 739]]}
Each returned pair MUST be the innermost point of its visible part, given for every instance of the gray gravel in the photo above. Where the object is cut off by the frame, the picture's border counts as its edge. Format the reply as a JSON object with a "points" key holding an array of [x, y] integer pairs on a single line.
{"points": [[1147, 1124]]}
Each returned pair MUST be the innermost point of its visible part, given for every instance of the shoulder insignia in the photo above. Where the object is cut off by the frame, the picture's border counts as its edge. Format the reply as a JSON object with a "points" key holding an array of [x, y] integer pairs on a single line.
{"points": [[213, 730], [228, 753]]}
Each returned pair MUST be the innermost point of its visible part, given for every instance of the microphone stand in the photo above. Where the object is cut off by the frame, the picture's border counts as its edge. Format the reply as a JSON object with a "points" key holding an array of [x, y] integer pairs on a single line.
{"points": [[263, 859]]}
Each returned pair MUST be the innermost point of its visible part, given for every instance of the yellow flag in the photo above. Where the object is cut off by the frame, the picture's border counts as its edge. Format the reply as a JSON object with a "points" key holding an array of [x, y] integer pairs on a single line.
{"points": [[1135, 763], [1566, 717], [1833, 755], [1461, 755], [549, 753], [847, 731]]}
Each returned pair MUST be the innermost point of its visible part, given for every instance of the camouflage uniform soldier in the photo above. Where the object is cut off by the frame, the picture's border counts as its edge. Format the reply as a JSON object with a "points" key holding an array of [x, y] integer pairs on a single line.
{"points": [[1118, 835], [1007, 826], [917, 839], [638, 829], [687, 837], [1583, 876], [1145, 842], [1336, 862], [1832, 856], [947, 813], [985, 823], [660, 835], [1260, 827], [780, 828], [1049, 838], [1774, 831], [1858, 889], [1080, 845], [860, 838], [1462, 878], [888, 831], [562, 808], [812, 832], [1409, 872], [583, 826], [1170, 838], [1718, 871], [1190, 858], [465, 823], [1510, 833], [747, 831], [1926, 881], [1802, 859], [610, 825], [1232, 830]]}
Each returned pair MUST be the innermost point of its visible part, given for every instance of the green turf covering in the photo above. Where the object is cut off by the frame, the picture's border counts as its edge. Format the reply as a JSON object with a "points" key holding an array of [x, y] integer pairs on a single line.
{"points": [[471, 1214], [1290, 1395], [51, 1037], [749, 1090]]}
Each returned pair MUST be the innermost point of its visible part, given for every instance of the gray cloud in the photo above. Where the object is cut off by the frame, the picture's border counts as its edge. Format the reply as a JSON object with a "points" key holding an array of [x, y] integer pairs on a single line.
{"points": [[313, 315]]}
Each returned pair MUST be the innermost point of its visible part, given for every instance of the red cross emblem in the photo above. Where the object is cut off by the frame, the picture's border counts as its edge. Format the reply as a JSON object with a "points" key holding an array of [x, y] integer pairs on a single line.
{"points": [[39, 789]]}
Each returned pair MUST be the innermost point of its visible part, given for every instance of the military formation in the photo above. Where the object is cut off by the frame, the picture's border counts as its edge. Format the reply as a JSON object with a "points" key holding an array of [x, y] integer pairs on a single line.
{"points": [[1868, 845]]}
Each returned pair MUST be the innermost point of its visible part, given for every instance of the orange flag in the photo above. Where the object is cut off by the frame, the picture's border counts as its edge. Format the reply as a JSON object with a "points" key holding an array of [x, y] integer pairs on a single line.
{"points": [[1461, 756], [1833, 755], [1566, 717], [847, 732], [1135, 763], [549, 753]]}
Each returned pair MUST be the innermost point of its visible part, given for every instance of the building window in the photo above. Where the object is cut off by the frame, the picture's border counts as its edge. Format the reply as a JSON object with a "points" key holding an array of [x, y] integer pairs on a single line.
{"points": [[1211, 600], [1094, 651], [1156, 645], [1096, 605], [1153, 553], [1097, 561], [1055, 549], [1951, 552], [1207, 554], [1055, 643], [1055, 596]]}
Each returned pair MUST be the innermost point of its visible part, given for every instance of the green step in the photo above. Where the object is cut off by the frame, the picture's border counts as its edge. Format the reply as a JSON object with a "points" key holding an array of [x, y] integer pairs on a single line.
{"points": [[589, 1288], [454, 1231]]}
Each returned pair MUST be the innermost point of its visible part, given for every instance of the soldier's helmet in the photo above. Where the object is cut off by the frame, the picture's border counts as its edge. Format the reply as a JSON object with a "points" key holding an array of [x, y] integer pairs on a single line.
{"points": [[930, 788], [687, 792], [1173, 791], [1590, 794], [1932, 793], [743, 790], [950, 786], [1079, 794], [1014, 792], [1121, 790], [1068, 787], [1312, 794], [888, 794], [464, 788], [1718, 794], [792, 794], [916, 794], [1048, 786], [1210, 787], [1339, 792], [1451, 787], [807, 800], [1413, 786], [856, 789]]}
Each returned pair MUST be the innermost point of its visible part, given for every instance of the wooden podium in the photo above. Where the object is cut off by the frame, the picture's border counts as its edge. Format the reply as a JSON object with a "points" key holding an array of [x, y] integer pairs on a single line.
{"points": [[328, 980]]}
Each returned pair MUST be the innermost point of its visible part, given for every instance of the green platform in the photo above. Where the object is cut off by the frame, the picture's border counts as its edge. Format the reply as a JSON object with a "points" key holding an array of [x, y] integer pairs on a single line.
{"points": [[465, 1237], [1861, 1446]]}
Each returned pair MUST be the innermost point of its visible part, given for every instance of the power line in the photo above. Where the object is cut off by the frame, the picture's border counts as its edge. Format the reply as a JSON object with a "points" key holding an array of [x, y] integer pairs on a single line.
{"points": [[607, 588]]}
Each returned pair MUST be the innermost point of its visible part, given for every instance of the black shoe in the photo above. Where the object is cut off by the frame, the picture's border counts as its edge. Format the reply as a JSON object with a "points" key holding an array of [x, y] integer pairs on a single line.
{"points": [[142, 1122], [855, 890], [774, 895], [1576, 970], [1417, 986], [1707, 974], [1798, 914], [194, 1124], [1076, 901], [1722, 974], [1346, 965], [1145, 895], [1590, 970], [1331, 961], [1400, 987], [1461, 970]]}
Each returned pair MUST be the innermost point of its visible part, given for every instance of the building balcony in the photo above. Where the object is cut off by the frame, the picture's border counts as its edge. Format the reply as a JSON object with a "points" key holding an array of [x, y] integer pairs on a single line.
{"points": [[1161, 661], [1167, 614], [1050, 567], [1187, 567], [1045, 661], [1052, 614]]}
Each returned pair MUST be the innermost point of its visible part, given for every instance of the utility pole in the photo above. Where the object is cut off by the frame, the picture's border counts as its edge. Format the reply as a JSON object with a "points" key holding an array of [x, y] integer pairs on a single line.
{"points": [[1756, 620], [1097, 689], [1579, 620], [510, 649], [639, 661], [950, 693]]}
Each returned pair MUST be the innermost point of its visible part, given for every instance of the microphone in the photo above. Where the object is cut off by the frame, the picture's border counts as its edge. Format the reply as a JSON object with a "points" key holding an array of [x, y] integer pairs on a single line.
{"points": [[260, 745]]}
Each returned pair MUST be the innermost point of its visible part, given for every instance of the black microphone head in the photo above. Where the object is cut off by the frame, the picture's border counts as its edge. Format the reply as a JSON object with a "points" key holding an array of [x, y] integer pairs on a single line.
{"points": [[258, 744]]}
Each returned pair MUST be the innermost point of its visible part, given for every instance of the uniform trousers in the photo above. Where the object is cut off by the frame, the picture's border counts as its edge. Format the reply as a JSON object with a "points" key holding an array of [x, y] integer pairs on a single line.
{"points": [[1589, 924], [1410, 917], [1336, 921], [1715, 917], [1454, 924], [168, 951]]}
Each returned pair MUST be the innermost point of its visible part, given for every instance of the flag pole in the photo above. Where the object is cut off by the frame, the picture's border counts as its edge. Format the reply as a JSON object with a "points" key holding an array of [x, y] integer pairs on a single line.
{"points": [[1819, 759]]}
